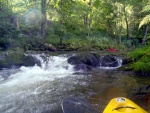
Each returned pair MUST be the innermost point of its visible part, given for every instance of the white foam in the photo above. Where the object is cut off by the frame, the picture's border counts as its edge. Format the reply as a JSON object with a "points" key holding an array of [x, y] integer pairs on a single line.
{"points": [[29, 79], [119, 65]]}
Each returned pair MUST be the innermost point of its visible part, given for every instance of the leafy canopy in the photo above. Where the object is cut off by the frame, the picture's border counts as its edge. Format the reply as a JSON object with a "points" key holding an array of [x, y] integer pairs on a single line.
{"points": [[146, 19]]}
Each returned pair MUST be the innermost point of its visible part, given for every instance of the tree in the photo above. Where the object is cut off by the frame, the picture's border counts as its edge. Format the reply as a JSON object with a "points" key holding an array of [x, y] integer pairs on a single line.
{"points": [[145, 21], [43, 23]]}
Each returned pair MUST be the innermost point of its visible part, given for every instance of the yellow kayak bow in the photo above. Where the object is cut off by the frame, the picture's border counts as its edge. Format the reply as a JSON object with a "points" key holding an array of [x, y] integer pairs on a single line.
{"points": [[123, 105]]}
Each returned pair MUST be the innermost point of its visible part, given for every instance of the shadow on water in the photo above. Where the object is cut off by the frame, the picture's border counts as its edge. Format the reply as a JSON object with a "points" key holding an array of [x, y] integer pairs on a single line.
{"points": [[100, 86], [108, 84]]}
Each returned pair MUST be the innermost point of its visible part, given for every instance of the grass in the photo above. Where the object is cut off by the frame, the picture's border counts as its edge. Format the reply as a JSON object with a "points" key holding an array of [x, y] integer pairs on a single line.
{"points": [[86, 43]]}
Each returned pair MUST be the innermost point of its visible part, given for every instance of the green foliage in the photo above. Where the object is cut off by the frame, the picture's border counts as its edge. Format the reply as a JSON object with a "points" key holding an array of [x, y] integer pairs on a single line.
{"points": [[101, 42], [76, 22], [78, 44], [146, 9], [137, 54], [5, 18], [7, 31], [91, 43], [4, 44], [141, 58], [53, 39], [141, 67], [146, 19]]}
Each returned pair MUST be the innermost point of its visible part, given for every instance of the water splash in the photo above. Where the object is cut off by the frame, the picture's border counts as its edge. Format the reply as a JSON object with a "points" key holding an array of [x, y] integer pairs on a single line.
{"points": [[39, 89], [31, 86], [53, 67], [118, 61]]}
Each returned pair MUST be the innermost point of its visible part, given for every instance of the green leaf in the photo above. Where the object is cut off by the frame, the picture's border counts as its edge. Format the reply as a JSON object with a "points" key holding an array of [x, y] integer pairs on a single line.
{"points": [[145, 21], [141, 66], [137, 54], [146, 9]]}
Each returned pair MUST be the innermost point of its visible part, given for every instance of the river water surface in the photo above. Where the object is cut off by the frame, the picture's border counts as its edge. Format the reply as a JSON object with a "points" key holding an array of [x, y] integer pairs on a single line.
{"points": [[41, 89]]}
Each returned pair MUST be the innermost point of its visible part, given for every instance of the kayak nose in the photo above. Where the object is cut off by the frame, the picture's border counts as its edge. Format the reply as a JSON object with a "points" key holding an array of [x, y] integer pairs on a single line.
{"points": [[123, 105]]}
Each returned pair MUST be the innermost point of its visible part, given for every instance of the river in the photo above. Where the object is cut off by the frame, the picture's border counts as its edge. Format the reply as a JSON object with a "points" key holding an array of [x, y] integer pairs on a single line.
{"points": [[41, 89]]}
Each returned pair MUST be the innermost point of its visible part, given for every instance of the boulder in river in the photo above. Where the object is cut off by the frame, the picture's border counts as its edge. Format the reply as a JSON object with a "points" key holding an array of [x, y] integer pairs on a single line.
{"points": [[143, 95], [17, 59], [85, 61], [109, 61], [89, 61]]}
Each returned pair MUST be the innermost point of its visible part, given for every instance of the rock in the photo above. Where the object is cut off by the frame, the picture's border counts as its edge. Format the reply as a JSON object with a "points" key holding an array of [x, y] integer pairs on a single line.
{"points": [[126, 61], [85, 61], [92, 60], [83, 67], [17, 59], [49, 47], [109, 61], [30, 61], [143, 95]]}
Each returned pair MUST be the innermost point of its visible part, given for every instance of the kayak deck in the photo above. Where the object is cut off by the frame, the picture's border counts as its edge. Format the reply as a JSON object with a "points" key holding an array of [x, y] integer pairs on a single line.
{"points": [[123, 105]]}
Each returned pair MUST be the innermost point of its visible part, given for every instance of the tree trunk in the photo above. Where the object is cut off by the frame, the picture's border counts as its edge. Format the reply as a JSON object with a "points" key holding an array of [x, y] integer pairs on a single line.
{"points": [[43, 23], [61, 22], [128, 37], [15, 23], [127, 24], [90, 19], [145, 34]]}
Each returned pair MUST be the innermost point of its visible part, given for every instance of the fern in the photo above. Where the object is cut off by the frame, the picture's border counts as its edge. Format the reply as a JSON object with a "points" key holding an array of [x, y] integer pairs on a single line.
{"points": [[146, 9], [145, 59], [136, 54], [145, 21], [141, 58], [141, 66]]}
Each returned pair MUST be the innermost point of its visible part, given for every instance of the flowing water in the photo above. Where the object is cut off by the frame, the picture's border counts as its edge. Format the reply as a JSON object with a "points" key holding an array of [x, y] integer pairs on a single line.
{"points": [[41, 89]]}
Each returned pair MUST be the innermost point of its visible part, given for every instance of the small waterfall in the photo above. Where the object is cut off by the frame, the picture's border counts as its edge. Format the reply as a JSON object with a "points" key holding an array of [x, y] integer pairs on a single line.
{"points": [[52, 67], [31, 86], [111, 65], [40, 88]]}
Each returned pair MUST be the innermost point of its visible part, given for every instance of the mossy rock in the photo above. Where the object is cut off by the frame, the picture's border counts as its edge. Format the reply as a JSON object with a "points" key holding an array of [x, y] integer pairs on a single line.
{"points": [[10, 59]]}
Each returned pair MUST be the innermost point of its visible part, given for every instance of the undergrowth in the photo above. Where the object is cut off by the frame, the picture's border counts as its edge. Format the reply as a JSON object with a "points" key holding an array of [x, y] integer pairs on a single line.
{"points": [[141, 59]]}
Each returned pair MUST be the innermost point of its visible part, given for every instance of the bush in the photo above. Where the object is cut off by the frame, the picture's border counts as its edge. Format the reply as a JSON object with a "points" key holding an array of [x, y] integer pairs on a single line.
{"points": [[78, 44], [141, 60], [4, 44]]}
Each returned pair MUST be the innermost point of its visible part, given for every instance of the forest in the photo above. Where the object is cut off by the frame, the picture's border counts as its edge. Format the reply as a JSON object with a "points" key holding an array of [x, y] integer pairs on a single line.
{"points": [[95, 50], [78, 25]]}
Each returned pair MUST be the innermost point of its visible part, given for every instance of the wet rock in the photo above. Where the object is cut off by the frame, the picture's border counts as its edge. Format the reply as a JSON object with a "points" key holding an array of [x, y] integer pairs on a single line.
{"points": [[16, 59], [93, 60], [90, 59], [83, 67], [126, 61], [85, 61], [143, 95], [30, 61], [109, 61]]}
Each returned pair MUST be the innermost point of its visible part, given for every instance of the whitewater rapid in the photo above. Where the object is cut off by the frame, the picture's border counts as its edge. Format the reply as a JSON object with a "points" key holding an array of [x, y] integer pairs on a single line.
{"points": [[17, 89], [40, 89]]}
